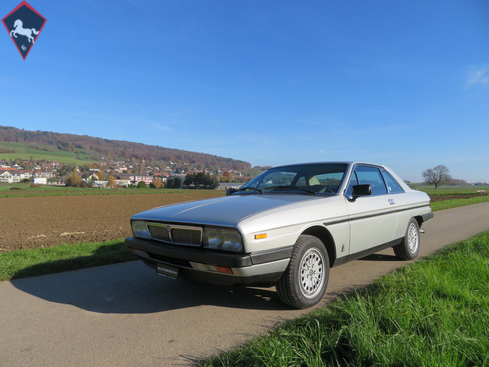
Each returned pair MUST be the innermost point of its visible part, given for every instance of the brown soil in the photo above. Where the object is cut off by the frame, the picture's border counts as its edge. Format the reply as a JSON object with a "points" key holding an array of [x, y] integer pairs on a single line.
{"points": [[451, 197], [31, 222]]}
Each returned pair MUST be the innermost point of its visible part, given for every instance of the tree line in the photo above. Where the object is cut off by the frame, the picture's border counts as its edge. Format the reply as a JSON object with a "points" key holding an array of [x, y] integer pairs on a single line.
{"points": [[199, 180]]}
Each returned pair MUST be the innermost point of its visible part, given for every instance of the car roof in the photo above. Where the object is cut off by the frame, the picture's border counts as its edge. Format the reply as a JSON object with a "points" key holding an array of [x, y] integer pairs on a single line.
{"points": [[330, 162]]}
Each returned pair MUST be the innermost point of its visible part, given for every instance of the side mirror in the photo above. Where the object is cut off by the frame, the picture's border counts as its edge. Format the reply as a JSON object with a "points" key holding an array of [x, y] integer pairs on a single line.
{"points": [[230, 191], [361, 190]]}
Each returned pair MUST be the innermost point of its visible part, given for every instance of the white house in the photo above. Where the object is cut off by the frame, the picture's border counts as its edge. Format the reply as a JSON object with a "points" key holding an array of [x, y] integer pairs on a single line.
{"points": [[9, 177], [40, 181], [133, 179], [99, 184]]}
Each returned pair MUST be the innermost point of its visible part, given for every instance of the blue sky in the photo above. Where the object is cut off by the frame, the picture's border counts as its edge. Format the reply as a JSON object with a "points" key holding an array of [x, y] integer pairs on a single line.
{"points": [[405, 84]]}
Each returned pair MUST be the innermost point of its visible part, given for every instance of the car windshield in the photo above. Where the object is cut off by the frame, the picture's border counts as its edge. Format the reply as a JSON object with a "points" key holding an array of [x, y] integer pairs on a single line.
{"points": [[306, 178]]}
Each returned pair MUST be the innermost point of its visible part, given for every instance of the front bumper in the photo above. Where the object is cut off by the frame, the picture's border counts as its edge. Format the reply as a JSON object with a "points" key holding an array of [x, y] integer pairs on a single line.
{"points": [[203, 264], [426, 217]]}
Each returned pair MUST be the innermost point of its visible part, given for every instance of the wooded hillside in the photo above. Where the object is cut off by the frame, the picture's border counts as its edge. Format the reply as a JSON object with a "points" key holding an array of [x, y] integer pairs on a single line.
{"points": [[118, 149]]}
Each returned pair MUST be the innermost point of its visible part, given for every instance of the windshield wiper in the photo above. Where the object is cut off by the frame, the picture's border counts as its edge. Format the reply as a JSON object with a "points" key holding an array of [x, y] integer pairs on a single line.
{"points": [[254, 189], [285, 187]]}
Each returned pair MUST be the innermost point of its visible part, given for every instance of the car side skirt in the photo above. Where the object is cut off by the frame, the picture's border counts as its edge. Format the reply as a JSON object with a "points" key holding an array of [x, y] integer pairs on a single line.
{"points": [[361, 254]]}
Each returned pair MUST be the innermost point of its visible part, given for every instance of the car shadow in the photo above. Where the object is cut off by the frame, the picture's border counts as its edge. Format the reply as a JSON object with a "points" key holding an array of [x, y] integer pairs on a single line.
{"points": [[134, 288], [380, 257]]}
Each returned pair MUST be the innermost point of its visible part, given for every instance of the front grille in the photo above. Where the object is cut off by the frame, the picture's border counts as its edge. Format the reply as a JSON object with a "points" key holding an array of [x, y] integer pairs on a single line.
{"points": [[159, 232], [176, 234], [186, 236]]}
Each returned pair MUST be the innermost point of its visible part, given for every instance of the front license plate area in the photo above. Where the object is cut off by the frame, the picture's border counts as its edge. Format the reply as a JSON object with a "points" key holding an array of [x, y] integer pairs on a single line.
{"points": [[167, 271]]}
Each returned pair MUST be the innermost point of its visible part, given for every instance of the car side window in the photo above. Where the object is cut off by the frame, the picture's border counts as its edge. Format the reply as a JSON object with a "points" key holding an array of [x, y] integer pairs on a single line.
{"points": [[392, 185], [373, 177]]}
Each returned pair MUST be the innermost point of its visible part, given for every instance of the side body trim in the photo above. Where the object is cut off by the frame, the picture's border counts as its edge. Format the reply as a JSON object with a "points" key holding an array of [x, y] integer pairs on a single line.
{"points": [[378, 215], [370, 251]]}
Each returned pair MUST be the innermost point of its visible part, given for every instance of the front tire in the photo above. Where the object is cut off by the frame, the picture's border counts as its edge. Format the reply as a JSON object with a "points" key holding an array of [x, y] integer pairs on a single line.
{"points": [[408, 249], [304, 281]]}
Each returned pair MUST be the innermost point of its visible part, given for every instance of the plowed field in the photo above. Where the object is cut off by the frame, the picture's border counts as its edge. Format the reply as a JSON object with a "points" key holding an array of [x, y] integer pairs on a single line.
{"points": [[31, 222]]}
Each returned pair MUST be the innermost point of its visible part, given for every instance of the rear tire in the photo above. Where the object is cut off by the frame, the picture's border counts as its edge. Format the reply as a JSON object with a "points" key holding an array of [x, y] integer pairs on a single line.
{"points": [[304, 281], [408, 249]]}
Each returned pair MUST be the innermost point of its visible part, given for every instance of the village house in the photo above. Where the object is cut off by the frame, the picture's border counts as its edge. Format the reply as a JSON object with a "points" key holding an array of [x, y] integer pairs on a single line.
{"points": [[92, 177], [40, 181], [44, 174], [126, 179], [99, 184], [7, 176], [24, 174]]}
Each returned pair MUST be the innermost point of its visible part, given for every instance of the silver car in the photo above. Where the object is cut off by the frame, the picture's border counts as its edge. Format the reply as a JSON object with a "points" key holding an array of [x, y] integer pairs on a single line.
{"points": [[287, 226]]}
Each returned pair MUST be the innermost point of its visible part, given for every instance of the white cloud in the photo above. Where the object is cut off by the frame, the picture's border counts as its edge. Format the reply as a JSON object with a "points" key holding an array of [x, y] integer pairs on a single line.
{"points": [[477, 76], [157, 126]]}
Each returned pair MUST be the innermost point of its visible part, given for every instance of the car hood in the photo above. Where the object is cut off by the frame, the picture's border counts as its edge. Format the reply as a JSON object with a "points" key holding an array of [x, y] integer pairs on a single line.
{"points": [[227, 211]]}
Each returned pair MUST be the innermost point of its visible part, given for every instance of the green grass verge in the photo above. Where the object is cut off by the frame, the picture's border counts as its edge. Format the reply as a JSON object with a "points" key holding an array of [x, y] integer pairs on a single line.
{"points": [[455, 203], [433, 312], [27, 263]]}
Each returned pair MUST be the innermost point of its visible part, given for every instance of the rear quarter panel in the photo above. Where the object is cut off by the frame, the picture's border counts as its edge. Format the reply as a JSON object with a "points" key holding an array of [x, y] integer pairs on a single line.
{"points": [[410, 204]]}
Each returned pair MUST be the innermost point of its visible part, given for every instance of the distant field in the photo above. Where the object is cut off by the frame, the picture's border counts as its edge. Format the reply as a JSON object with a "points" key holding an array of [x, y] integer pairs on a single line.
{"points": [[25, 190], [452, 190], [446, 197], [47, 152], [6, 190]]}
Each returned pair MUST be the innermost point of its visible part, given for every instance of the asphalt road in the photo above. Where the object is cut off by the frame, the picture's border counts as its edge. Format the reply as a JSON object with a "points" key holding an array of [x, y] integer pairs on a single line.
{"points": [[125, 315]]}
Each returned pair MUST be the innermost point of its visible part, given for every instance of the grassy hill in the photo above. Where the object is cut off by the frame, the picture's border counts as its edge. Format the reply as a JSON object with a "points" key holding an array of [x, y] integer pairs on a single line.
{"points": [[12, 151]]}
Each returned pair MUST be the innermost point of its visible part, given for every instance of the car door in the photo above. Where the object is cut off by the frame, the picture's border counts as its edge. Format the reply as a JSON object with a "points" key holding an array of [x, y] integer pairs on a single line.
{"points": [[372, 218]]}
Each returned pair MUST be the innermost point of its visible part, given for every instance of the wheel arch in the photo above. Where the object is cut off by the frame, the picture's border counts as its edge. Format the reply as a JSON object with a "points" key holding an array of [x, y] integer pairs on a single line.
{"points": [[423, 218], [420, 220], [326, 238]]}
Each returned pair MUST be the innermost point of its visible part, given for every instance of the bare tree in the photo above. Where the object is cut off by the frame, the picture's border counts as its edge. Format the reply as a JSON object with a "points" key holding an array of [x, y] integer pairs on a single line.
{"points": [[74, 179], [156, 183], [437, 176], [112, 182]]}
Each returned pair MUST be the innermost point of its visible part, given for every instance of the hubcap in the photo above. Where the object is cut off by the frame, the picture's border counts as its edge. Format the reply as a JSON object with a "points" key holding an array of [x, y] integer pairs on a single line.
{"points": [[413, 239], [311, 274]]}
